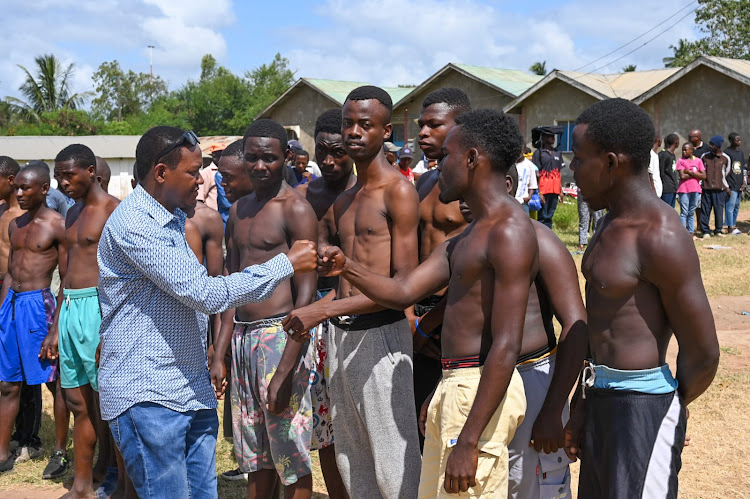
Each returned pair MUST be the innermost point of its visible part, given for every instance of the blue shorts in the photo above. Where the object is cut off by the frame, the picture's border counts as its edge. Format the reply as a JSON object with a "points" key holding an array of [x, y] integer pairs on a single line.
{"points": [[25, 319]]}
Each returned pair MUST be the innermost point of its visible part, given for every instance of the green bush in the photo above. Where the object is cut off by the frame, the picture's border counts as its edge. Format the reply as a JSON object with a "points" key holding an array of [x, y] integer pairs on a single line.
{"points": [[566, 215]]}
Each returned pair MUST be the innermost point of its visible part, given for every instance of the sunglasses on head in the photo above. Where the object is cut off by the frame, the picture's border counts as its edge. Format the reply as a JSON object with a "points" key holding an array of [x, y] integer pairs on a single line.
{"points": [[188, 138]]}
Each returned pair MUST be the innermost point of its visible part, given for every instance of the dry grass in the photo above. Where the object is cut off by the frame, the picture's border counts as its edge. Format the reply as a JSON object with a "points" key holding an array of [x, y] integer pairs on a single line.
{"points": [[714, 465]]}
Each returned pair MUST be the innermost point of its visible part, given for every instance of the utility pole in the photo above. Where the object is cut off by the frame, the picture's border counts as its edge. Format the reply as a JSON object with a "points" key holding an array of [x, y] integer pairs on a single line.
{"points": [[119, 102], [151, 60]]}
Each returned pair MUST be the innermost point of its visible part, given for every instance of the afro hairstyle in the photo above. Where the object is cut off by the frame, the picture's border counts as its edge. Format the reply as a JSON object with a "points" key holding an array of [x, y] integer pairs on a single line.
{"points": [[495, 133], [329, 122], [368, 92], [455, 98], [266, 128], [79, 154], [622, 127]]}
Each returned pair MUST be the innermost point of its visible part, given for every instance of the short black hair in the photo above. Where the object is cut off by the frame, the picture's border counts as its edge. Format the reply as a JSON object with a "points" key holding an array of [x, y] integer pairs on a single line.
{"points": [[513, 173], [79, 154], [671, 139], [455, 98], [301, 153], [135, 171], [622, 127], [9, 166], [495, 132], [234, 149], [368, 92], [37, 170], [733, 136], [152, 143], [329, 122], [266, 128]]}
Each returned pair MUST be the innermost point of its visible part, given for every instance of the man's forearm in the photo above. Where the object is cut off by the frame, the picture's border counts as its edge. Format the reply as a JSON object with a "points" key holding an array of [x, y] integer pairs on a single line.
{"points": [[353, 305], [693, 379], [571, 352], [224, 335], [383, 290]]}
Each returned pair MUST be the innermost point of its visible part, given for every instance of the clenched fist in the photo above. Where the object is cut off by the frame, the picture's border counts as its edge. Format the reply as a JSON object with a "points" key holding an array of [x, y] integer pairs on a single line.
{"points": [[303, 256]]}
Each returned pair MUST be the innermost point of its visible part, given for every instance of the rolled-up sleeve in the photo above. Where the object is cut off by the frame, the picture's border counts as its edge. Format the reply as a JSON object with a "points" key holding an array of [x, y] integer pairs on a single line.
{"points": [[169, 264]]}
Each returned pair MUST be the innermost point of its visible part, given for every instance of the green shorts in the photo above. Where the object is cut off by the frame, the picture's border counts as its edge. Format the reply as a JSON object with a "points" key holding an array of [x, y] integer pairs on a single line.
{"points": [[78, 337]]}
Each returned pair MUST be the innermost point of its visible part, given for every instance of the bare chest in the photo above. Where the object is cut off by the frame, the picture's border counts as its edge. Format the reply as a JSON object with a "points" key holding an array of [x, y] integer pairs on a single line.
{"points": [[611, 269], [262, 233], [86, 230], [433, 213], [364, 219], [32, 238]]}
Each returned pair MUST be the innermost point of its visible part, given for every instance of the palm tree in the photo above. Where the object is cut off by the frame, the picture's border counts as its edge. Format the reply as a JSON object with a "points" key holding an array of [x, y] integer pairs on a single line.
{"points": [[48, 91], [629, 68], [681, 51], [539, 68]]}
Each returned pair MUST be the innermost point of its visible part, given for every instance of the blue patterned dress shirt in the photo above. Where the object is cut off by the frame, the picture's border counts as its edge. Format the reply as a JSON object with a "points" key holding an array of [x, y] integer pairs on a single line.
{"points": [[155, 297]]}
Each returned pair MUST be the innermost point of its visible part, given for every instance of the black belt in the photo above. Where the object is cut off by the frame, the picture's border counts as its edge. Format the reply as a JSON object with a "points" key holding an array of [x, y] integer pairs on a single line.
{"points": [[367, 321], [535, 354]]}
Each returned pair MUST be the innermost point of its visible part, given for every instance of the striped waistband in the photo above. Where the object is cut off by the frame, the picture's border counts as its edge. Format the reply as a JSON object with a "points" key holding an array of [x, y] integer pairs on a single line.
{"points": [[463, 362]]}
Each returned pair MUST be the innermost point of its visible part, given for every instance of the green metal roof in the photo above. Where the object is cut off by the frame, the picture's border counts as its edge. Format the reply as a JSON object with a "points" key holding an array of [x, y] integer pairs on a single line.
{"points": [[338, 90], [512, 81]]}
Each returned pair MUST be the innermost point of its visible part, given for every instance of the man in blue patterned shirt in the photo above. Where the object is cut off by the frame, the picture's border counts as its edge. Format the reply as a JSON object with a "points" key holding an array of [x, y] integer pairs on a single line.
{"points": [[155, 296]]}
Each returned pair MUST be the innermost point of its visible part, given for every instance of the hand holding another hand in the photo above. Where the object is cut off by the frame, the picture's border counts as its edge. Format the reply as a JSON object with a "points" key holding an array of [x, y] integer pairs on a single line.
{"points": [[303, 256], [331, 261]]}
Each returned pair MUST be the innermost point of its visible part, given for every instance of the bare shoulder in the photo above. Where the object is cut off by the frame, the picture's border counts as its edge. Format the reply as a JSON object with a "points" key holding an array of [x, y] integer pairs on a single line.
{"points": [[111, 203], [295, 204], [301, 189], [512, 233], [208, 215], [662, 239], [399, 189]]}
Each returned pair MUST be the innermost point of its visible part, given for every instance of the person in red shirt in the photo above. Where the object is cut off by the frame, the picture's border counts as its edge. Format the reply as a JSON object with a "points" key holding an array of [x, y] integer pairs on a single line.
{"points": [[550, 163], [405, 157]]}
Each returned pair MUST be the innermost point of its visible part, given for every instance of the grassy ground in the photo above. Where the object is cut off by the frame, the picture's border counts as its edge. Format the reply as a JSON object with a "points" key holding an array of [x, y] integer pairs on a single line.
{"points": [[713, 466]]}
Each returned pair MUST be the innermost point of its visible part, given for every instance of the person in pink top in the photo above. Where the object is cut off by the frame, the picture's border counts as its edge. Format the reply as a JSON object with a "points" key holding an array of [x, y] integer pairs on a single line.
{"points": [[691, 172]]}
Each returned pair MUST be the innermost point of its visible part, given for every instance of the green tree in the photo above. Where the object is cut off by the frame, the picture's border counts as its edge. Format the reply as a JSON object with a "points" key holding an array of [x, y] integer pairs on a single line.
{"points": [[208, 67], [122, 94], [725, 25], [680, 53], [268, 82], [629, 68], [539, 68], [50, 90]]}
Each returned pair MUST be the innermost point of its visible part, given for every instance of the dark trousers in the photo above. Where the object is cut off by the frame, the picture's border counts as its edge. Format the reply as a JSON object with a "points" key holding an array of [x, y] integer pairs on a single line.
{"points": [[669, 198], [29, 419], [712, 200], [548, 209]]}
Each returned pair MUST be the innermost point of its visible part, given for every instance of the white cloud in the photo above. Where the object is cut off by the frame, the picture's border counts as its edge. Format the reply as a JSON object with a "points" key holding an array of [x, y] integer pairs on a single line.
{"points": [[371, 42], [90, 32]]}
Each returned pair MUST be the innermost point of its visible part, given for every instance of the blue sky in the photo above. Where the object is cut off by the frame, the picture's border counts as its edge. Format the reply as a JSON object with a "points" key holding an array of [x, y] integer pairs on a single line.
{"points": [[385, 42]]}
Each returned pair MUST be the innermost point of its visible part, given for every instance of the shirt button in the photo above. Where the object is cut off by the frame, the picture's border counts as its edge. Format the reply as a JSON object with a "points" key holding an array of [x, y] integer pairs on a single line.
{"points": [[559, 459]]}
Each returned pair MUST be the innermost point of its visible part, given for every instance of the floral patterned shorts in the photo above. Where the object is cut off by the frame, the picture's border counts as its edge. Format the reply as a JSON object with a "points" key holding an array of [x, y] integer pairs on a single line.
{"points": [[262, 439]]}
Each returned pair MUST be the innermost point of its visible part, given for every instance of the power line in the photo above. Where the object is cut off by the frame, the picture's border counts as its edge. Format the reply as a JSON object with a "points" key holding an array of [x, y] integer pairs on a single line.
{"points": [[640, 36], [644, 43]]}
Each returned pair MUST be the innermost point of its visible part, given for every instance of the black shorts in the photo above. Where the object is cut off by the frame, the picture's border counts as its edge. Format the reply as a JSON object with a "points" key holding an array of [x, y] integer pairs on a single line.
{"points": [[632, 445]]}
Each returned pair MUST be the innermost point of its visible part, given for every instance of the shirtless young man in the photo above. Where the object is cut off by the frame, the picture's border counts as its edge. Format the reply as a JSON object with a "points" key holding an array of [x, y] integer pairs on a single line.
{"points": [[370, 349], [488, 268], [8, 210], [631, 437], [37, 240], [338, 176], [438, 222], [103, 173], [75, 330], [270, 386]]}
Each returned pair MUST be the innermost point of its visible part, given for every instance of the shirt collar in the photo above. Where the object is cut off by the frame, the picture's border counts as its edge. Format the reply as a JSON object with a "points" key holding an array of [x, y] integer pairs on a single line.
{"points": [[155, 209]]}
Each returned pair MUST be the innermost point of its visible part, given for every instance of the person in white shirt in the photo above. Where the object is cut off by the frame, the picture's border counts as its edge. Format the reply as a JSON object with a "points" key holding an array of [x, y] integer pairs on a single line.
{"points": [[527, 184], [653, 167]]}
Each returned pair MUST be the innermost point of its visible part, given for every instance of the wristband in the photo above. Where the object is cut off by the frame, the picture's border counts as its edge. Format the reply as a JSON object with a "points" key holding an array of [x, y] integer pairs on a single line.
{"points": [[419, 329]]}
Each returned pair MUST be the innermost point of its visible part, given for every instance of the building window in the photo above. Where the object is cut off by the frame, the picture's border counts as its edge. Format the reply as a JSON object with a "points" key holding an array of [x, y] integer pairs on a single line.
{"points": [[566, 139]]}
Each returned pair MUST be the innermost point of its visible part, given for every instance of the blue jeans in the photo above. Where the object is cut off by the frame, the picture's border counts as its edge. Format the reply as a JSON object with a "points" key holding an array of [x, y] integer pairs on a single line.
{"points": [[669, 198], [548, 209], [732, 209], [168, 454], [688, 204]]}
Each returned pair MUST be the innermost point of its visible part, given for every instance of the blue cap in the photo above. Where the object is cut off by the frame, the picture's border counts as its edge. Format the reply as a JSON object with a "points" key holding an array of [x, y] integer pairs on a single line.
{"points": [[717, 140], [406, 152]]}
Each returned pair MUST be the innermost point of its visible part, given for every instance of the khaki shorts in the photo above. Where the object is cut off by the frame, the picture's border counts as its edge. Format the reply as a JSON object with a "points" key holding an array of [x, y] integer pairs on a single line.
{"points": [[446, 417]]}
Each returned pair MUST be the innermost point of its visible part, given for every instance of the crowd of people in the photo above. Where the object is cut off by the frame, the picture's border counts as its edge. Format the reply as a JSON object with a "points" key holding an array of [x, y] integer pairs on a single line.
{"points": [[420, 360]]}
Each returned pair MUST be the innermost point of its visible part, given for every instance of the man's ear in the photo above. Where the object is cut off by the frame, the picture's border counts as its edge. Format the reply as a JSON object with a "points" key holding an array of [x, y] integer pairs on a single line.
{"points": [[471, 158], [92, 170], [12, 179], [45, 188], [613, 161], [388, 130], [159, 172]]}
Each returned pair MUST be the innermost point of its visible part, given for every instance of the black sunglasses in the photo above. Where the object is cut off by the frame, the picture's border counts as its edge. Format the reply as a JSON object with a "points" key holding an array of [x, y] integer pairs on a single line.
{"points": [[188, 139]]}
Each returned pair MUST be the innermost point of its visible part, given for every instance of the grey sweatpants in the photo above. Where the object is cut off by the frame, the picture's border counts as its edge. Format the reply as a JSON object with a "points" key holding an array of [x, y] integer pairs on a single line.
{"points": [[372, 397], [531, 473], [585, 218]]}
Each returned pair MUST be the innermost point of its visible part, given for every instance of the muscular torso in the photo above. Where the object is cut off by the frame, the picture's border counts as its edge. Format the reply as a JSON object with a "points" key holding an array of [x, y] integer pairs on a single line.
{"points": [[364, 229], [259, 233], [84, 225], [468, 315], [35, 250], [628, 328], [438, 222], [5, 218]]}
